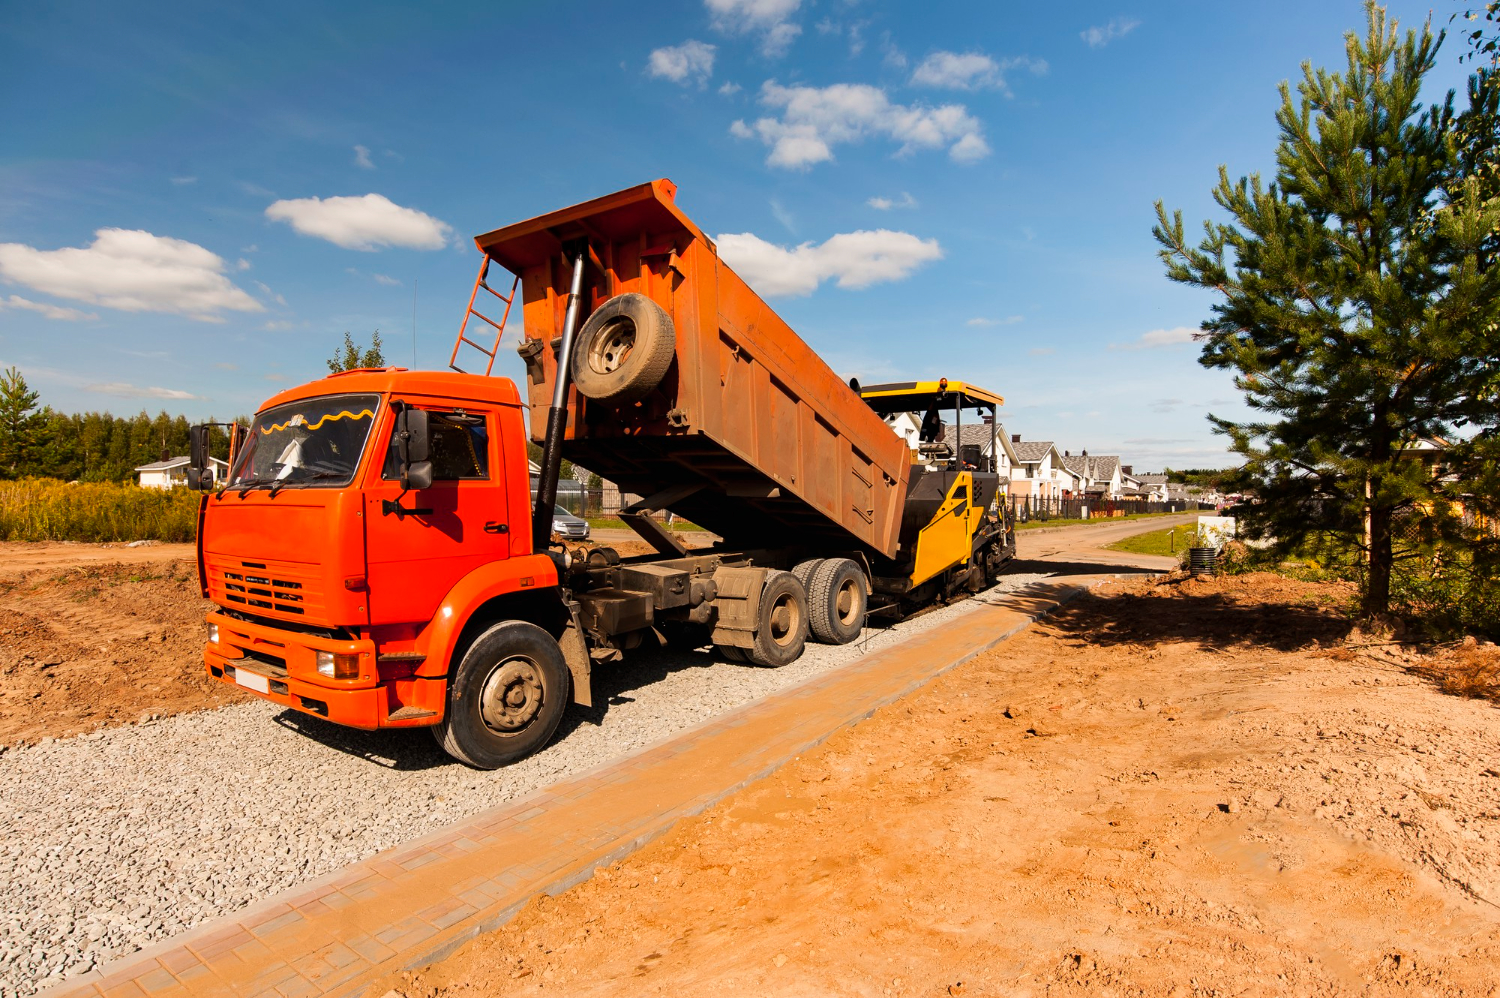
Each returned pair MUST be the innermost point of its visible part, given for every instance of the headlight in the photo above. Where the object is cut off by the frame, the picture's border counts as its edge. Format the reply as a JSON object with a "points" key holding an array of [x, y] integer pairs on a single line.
{"points": [[338, 666], [213, 634]]}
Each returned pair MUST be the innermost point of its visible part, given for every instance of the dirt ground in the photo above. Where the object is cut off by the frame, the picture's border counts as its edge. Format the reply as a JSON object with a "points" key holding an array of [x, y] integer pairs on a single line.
{"points": [[1169, 788], [99, 642]]}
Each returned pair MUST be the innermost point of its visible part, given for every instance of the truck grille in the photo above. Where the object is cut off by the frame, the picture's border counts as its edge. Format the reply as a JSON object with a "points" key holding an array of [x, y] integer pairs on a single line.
{"points": [[278, 588]]}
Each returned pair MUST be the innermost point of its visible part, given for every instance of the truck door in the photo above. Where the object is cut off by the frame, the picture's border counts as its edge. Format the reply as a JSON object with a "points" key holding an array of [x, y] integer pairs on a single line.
{"points": [[414, 558]]}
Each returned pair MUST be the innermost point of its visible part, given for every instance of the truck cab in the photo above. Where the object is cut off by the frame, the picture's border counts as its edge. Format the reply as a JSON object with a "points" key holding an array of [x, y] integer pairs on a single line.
{"points": [[339, 591]]}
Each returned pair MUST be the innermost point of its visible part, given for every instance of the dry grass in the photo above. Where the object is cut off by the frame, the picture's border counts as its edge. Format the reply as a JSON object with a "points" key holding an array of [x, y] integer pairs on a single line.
{"points": [[45, 509], [1467, 671]]}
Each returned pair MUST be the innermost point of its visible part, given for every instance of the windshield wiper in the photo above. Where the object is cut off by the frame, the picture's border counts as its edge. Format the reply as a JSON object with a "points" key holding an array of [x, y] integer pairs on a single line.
{"points": [[313, 477]]}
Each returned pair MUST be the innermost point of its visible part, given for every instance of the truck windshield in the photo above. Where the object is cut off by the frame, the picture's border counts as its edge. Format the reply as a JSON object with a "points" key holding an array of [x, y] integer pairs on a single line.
{"points": [[316, 442]]}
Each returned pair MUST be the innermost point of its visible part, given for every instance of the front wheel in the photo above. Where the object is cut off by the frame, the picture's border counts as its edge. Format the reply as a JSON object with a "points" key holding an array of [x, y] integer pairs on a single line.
{"points": [[506, 698]]}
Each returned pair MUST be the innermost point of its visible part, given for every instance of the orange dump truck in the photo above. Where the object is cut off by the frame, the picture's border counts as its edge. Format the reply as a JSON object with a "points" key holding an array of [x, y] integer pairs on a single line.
{"points": [[378, 555]]}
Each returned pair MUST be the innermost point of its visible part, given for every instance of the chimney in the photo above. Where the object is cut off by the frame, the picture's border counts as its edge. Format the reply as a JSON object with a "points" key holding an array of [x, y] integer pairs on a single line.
{"points": [[1015, 438], [1067, 454], [1083, 453], [1125, 468], [989, 419]]}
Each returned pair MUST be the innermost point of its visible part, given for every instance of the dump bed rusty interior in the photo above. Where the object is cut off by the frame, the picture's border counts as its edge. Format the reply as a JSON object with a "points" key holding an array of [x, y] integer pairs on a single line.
{"points": [[784, 451]]}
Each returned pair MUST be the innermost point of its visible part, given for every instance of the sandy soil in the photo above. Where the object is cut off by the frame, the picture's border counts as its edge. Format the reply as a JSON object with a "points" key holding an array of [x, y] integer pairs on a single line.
{"points": [[100, 644], [20, 557], [1171, 788]]}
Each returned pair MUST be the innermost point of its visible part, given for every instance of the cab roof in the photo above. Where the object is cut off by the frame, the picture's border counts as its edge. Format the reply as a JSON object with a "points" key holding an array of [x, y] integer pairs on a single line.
{"points": [[915, 396], [400, 380]]}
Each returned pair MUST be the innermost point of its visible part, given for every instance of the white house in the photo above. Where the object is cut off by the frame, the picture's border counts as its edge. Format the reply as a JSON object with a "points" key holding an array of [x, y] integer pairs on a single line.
{"points": [[168, 474], [1100, 476], [1038, 471]]}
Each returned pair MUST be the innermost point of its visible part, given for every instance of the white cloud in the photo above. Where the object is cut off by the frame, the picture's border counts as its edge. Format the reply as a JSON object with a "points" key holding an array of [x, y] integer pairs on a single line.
{"points": [[133, 271], [265, 289], [886, 204], [730, 89], [121, 389], [1160, 338], [972, 71], [184, 181], [49, 311], [278, 325], [1041, 351], [768, 18], [692, 62], [815, 119], [362, 158], [371, 222], [786, 218], [980, 322], [1101, 35], [852, 259], [242, 264], [389, 282]]}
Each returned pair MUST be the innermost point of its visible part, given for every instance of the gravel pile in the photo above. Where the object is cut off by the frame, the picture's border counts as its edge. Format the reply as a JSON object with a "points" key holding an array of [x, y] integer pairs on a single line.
{"points": [[112, 841]]}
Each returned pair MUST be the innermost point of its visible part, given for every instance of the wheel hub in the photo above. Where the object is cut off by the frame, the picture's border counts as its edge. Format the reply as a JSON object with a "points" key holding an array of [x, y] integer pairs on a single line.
{"points": [[611, 347], [512, 695], [781, 620], [847, 601]]}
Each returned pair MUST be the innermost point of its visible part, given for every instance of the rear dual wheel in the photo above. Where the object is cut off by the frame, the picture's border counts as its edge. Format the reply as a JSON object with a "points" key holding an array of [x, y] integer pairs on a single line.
{"points": [[838, 597], [781, 625]]}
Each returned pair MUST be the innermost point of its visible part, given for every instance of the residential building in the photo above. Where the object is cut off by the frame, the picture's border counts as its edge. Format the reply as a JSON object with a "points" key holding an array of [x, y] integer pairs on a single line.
{"points": [[173, 472]]}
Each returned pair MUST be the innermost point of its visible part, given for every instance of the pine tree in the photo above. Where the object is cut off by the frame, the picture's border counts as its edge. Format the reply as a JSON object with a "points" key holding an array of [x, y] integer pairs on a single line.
{"points": [[20, 424], [1351, 301], [349, 357]]}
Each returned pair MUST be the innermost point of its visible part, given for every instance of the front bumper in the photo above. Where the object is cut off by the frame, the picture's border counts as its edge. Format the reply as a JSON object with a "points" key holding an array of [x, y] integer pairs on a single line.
{"points": [[281, 666]]}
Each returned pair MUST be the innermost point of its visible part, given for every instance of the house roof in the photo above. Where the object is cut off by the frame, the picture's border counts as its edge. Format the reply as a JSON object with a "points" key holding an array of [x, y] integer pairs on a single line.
{"points": [[1031, 450], [175, 462], [1092, 467], [1151, 479]]}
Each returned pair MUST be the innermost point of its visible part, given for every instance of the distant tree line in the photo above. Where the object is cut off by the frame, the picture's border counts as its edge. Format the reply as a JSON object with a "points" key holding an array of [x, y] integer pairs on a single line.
{"points": [[36, 441]]}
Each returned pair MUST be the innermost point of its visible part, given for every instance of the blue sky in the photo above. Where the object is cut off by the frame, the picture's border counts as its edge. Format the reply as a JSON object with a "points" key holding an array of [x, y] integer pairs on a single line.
{"points": [[921, 190]]}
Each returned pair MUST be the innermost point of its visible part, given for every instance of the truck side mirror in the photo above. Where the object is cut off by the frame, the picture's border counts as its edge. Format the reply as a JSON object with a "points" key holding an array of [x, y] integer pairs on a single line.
{"points": [[411, 429], [200, 475]]}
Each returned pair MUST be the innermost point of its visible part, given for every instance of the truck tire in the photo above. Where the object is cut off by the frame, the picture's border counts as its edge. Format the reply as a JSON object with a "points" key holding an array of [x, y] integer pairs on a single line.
{"points": [[623, 350], [506, 698], [836, 601], [804, 570], [781, 624]]}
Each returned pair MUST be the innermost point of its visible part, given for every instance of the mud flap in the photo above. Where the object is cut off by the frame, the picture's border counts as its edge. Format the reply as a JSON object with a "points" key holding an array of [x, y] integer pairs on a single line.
{"points": [[737, 605], [576, 654]]}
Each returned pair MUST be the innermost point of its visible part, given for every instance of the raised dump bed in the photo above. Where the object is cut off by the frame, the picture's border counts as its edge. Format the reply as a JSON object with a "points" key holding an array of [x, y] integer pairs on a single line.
{"points": [[746, 431]]}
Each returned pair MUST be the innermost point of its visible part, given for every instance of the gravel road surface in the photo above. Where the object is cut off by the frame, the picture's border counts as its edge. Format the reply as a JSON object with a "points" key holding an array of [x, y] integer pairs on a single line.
{"points": [[115, 840]]}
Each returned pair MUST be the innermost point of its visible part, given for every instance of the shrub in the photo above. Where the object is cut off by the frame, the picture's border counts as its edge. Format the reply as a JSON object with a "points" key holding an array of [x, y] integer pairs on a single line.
{"points": [[44, 509]]}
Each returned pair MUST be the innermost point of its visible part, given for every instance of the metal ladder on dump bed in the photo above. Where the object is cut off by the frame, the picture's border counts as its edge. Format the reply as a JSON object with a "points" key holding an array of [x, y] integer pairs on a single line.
{"points": [[480, 282]]}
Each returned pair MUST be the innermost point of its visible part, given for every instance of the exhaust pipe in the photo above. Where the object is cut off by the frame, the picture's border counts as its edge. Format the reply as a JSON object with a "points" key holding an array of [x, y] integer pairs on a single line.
{"points": [[557, 416]]}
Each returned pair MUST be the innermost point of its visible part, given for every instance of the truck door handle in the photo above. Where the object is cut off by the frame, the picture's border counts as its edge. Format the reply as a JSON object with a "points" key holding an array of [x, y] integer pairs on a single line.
{"points": [[493, 527]]}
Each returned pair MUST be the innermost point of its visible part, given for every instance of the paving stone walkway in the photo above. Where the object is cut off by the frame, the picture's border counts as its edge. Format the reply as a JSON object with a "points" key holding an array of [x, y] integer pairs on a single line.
{"points": [[420, 901]]}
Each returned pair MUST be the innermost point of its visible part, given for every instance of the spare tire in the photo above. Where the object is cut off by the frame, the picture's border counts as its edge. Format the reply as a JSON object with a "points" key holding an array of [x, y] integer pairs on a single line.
{"points": [[623, 350]]}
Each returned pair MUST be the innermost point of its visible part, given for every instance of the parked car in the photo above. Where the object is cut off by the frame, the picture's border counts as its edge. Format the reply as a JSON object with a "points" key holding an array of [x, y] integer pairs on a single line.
{"points": [[565, 524]]}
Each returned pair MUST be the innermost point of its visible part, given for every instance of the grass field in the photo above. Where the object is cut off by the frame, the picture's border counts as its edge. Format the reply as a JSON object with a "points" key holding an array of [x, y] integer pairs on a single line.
{"points": [[45, 509], [1168, 542], [611, 523]]}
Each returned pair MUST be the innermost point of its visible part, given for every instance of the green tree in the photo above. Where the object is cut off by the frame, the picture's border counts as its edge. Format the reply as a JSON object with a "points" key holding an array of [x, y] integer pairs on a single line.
{"points": [[20, 424], [349, 357], [1350, 300]]}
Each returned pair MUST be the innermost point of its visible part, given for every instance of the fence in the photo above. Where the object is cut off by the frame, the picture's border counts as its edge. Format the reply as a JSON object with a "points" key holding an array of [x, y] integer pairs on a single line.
{"points": [[1028, 508], [601, 502]]}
